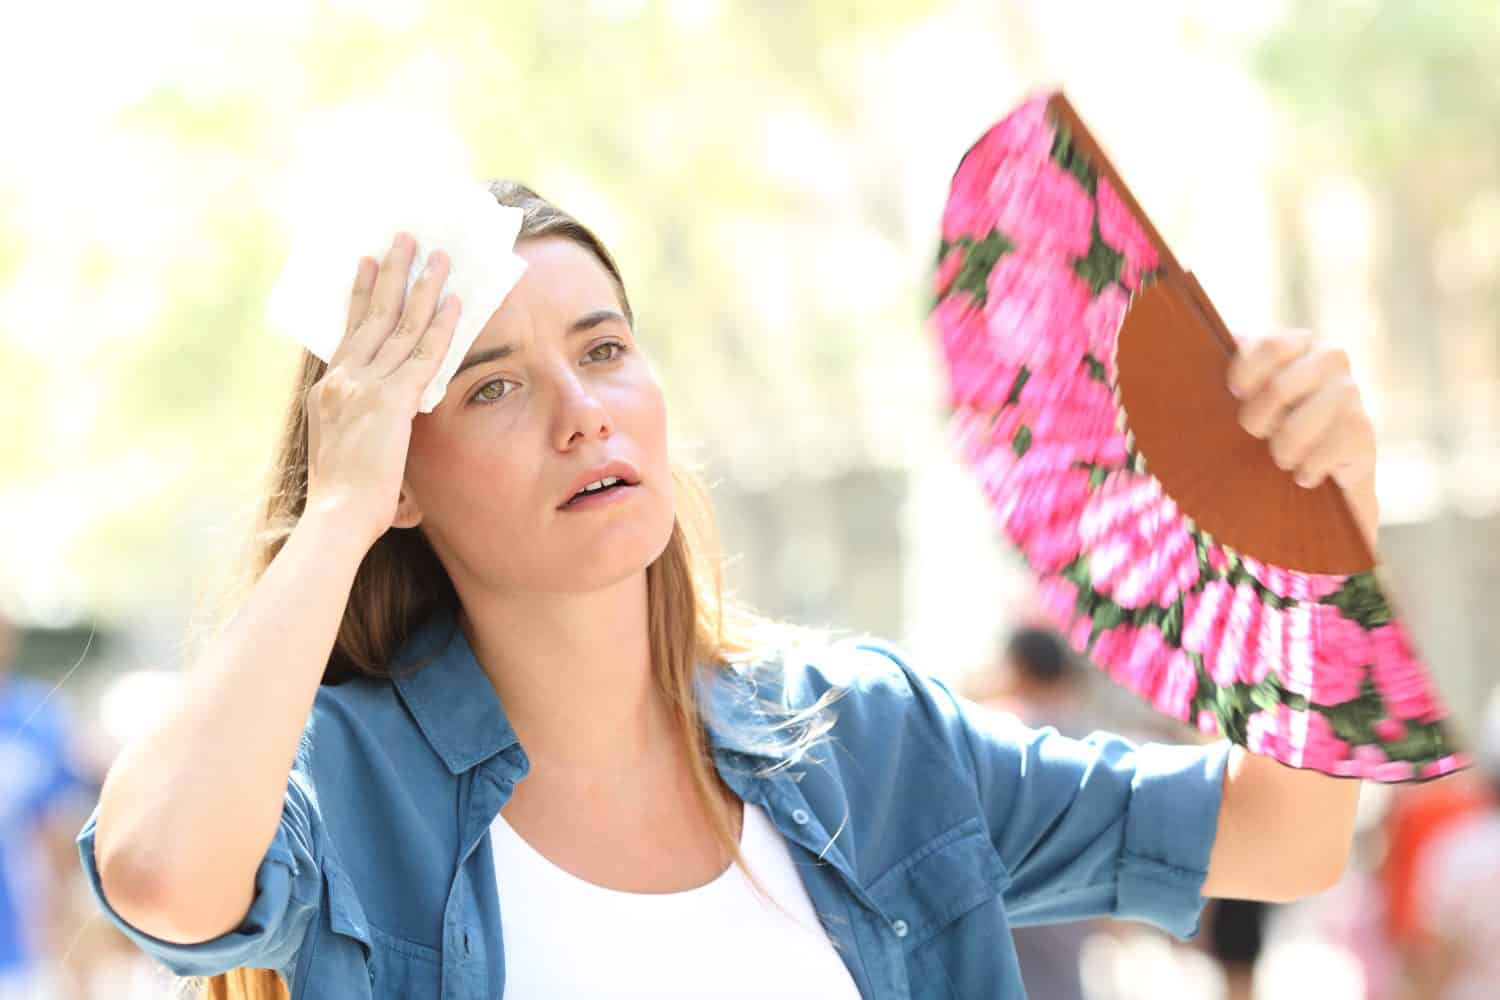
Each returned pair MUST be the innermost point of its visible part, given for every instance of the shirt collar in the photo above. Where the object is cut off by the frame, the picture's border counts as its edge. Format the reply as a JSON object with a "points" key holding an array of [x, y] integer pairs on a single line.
{"points": [[456, 708], [450, 696]]}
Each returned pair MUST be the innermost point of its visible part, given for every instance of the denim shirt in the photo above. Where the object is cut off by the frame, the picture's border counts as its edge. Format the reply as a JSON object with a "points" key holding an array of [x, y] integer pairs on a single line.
{"points": [[924, 828]]}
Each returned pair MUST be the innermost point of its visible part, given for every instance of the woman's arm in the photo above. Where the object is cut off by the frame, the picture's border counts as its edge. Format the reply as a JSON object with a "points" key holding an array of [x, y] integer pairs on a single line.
{"points": [[189, 808], [1284, 832]]}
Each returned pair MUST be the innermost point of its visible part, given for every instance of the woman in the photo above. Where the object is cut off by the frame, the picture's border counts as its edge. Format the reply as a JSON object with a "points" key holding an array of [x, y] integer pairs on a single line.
{"points": [[704, 805]]}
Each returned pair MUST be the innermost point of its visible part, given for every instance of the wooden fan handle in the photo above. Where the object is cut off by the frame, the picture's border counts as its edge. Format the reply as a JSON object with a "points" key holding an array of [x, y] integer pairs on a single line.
{"points": [[1185, 421]]}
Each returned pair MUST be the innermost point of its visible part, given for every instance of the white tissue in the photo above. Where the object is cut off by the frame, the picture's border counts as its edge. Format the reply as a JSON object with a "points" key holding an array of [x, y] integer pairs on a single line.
{"points": [[310, 300]]}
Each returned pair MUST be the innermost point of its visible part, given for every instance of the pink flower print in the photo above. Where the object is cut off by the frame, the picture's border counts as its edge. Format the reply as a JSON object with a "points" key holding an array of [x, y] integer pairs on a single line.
{"points": [[1143, 661], [1042, 208], [1292, 584], [1119, 229], [952, 263], [1400, 677], [1024, 131], [980, 371], [1042, 519], [1208, 722], [1318, 585], [1390, 730], [1140, 550], [1023, 135], [1005, 480], [1278, 639], [1298, 738], [1223, 624], [1058, 598], [1443, 765], [1035, 309], [1073, 409], [1364, 760], [1101, 325], [1340, 654], [1393, 770], [1079, 634], [1218, 559]]}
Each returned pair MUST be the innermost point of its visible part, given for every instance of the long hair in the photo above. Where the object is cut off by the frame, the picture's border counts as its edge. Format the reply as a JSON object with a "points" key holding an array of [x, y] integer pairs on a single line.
{"points": [[401, 582]]}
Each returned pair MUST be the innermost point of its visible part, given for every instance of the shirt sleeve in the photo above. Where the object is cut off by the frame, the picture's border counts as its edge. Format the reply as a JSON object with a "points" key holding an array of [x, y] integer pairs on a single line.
{"points": [[288, 893], [1093, 827]]}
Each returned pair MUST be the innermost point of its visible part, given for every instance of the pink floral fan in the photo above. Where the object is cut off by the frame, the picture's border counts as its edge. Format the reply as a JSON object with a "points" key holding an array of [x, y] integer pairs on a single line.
{"points": [[1087, 376]]}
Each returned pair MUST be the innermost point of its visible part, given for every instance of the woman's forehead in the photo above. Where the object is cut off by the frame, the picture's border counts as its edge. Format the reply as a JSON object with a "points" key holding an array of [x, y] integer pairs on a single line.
{"points": [[561, 270], [564, 283]]}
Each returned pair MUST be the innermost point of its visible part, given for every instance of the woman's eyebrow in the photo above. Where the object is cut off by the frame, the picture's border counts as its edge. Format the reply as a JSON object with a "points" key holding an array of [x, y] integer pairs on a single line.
{"points": [[583, 323]]}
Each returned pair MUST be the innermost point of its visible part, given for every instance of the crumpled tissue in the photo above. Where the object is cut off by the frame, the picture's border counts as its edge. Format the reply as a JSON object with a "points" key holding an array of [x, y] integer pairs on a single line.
{"points": [[310, 300]]}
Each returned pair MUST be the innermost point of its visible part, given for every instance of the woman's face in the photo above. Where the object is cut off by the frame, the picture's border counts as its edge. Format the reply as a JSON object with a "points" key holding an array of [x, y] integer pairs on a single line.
{"points": [[560, 389]]}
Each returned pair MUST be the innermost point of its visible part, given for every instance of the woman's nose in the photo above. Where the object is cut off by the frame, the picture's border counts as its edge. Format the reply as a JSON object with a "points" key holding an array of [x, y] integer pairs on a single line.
{"points": [[580, 413]]}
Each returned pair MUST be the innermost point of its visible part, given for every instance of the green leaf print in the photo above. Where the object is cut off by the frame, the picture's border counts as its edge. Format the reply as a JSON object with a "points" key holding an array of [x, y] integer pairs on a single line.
{"points": [[1360, 599], [979, 261]]}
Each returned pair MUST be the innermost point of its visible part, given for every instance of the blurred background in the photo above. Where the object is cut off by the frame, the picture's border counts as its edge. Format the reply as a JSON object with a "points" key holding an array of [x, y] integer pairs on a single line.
{"points": [[770, 175]]}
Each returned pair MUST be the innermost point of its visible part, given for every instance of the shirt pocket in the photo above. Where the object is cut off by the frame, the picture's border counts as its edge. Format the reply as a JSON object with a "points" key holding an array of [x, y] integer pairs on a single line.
{"points": [[405, 969], [939, 882], [392, 966], [346, 957]]}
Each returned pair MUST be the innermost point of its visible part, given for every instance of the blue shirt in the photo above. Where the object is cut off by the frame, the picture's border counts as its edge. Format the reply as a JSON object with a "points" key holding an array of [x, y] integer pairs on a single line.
{"points": [[924, 828]]}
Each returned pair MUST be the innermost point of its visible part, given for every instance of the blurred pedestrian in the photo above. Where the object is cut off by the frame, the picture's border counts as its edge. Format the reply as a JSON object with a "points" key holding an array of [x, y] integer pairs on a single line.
{"points": [[1456, 955], [42, 797]]}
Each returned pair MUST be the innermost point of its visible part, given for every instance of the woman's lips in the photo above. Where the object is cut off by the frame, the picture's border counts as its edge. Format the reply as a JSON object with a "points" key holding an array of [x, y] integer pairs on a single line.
{"points": [[604, 498]]}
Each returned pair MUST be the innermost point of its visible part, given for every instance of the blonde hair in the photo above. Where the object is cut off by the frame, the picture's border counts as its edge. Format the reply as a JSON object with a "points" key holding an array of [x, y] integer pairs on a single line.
{"points": [[401, 582]]}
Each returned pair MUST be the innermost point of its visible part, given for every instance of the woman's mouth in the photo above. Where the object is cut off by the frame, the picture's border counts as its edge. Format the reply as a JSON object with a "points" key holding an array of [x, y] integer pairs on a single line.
{"points": [[609, 491]]}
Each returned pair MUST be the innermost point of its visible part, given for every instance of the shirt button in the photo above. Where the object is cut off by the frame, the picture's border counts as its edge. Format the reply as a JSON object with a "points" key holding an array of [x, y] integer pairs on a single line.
{"points": [[900, 928], [800, 817]]}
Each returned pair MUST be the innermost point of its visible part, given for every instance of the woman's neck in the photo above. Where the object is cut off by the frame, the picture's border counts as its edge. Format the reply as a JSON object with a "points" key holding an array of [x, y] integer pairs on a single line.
{"points": [[574, 673]]}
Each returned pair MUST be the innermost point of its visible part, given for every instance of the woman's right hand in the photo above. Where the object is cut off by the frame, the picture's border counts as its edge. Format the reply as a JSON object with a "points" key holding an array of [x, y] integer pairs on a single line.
{"points": [[359, 414]]}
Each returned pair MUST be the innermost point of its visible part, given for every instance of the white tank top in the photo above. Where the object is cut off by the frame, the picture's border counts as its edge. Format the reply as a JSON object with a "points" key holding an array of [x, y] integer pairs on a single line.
{"points": [[566, 938]]}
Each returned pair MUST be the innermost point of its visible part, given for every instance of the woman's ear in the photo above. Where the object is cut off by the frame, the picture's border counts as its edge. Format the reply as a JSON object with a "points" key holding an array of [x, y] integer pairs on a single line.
{"points": [[408, 513]]}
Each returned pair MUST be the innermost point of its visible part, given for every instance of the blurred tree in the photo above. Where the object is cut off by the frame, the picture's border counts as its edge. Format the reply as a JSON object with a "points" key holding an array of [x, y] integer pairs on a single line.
{"points": [[714, 146]]}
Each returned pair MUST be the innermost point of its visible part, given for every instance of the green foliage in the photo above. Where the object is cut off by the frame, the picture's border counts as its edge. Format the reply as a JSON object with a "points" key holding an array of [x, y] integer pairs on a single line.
{"points": [[654, 131], [979, 261], [1102, 265], [1360, 599], [1071, 159]]}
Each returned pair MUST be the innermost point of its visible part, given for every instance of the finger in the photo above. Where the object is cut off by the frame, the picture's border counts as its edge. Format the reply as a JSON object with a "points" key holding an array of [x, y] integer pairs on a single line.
{"points": [[1262, 412], [1260, 359], [1343, 454], [359, 301], [415, 316], [385, 301], [359, 298], [1310, 422], [427, 354]]}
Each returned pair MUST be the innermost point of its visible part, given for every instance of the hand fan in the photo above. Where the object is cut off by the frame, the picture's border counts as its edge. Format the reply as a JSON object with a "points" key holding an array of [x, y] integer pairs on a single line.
{"points": [[1087, 375]]}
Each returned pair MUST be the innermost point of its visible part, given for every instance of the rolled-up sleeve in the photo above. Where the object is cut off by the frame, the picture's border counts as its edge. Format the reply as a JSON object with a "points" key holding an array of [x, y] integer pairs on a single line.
{"points": [[288, 893], [1093, 827], [1170, 827]]}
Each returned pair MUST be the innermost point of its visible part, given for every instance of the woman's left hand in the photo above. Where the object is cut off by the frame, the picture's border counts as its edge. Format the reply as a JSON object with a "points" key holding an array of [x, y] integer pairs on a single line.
{"points": [[1300, 397]]}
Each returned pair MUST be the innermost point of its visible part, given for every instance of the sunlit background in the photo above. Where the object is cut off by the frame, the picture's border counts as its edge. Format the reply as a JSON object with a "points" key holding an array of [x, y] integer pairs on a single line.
{"points": [[769, 175]]}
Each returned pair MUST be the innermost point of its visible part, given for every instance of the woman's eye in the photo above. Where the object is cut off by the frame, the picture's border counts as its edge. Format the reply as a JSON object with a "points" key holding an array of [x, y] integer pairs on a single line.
{"points": [[494, 391], [491, 392], [619, 350]]}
